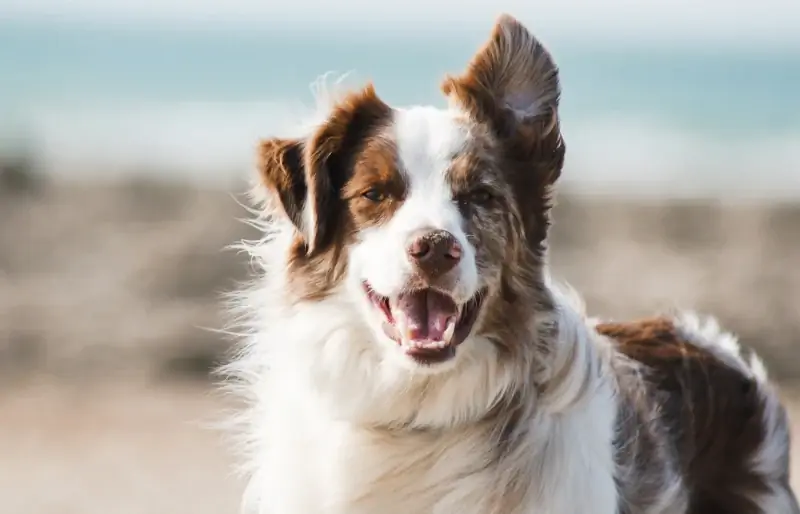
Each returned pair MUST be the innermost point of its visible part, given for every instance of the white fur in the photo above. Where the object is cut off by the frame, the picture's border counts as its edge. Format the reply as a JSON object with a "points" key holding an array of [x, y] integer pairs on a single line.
{"points": [[317, 385], [426, 140], [771, 460], [707, 334]]}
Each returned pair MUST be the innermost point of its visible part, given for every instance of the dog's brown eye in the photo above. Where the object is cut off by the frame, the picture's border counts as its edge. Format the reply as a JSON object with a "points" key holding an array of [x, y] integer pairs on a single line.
{"points": [[374, 195]]}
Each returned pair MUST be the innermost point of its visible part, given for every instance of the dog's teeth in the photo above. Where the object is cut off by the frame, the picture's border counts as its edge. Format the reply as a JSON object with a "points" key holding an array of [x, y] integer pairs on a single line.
{"points": [[449, 331]]}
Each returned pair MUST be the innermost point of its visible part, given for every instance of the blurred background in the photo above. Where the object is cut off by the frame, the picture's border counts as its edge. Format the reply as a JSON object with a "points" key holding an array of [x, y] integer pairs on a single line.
{"points": [[127, 132]]}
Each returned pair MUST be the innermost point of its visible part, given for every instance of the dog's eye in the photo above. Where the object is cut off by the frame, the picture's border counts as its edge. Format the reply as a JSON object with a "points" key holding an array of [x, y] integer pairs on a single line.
{"points": [[478, 196], [374, 195]]}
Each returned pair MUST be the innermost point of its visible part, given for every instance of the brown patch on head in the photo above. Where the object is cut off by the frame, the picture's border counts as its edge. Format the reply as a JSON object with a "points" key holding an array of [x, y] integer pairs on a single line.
{"points": [[487, 202], [511, 87], [319, 185], [510, 91], [377, 187], [713, 414]]}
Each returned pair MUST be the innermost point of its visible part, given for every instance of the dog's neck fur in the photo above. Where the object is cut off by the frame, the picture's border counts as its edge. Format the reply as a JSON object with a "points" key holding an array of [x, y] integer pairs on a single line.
{"points": [[529, 418]]}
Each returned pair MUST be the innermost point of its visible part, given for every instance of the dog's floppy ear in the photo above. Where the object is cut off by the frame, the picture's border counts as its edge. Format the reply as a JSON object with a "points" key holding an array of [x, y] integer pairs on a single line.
{"points": [[282, 173], [511, 83], [306, 176]]}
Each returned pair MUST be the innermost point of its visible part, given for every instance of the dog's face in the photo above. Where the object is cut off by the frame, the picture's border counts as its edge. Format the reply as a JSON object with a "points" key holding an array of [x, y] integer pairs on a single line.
{"points": [[431, 221]]}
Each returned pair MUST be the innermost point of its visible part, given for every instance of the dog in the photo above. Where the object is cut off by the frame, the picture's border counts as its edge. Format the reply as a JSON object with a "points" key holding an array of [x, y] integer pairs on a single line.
{"points": [[406, 350]]}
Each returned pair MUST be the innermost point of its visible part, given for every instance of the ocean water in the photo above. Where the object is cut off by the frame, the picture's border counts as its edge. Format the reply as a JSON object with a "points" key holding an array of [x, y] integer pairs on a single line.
{"points": [[103, 101]]}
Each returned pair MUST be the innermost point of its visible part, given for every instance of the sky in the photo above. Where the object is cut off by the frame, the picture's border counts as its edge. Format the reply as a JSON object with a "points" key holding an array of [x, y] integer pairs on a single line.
{"points": [[733, 21]]}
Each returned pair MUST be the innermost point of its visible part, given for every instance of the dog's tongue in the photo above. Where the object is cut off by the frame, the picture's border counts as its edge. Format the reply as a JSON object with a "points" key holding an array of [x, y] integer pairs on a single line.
{"points": [[425, 316]]}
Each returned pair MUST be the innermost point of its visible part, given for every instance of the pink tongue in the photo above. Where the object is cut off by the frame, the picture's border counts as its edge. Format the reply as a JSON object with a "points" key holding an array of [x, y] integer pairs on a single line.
{"points": [[427, 313]]}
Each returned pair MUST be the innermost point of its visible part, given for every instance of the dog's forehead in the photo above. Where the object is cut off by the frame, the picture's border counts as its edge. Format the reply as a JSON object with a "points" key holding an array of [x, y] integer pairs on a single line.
{"points": [[428, 140]]}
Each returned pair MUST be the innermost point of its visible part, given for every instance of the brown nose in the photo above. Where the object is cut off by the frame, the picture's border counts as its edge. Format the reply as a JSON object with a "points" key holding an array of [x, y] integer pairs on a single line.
{"points": [[434, 252]]}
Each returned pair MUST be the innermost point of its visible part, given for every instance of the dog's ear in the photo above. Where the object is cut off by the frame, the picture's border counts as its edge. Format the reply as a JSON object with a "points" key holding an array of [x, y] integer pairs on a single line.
{"points": [[512, 84], [306, 176], [282, 173]]}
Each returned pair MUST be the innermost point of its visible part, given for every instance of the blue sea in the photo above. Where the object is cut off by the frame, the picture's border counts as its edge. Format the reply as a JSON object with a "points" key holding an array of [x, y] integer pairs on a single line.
{"points": [[108, 100]]}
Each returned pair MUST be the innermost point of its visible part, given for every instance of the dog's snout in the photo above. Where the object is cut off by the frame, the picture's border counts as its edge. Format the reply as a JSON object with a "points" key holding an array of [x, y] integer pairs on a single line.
{"points": [[434, 252]]}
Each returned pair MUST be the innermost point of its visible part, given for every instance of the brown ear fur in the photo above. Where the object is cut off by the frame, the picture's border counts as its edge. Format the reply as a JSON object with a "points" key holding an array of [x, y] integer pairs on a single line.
{"points": [[512, 84], [311, 174], [280, 164], [330, 156]]}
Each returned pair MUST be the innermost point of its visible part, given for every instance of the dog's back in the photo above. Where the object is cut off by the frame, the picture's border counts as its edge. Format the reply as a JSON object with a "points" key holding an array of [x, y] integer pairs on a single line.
{"points": [[729, 431]]}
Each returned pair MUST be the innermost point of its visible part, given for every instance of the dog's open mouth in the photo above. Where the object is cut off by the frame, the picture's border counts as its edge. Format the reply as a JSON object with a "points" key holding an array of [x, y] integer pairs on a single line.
{"points": [[426, 323]]}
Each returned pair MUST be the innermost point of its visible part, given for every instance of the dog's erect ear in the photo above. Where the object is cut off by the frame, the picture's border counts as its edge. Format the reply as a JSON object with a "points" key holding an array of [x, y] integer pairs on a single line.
{"points": [[306, 176], [511, 83]]}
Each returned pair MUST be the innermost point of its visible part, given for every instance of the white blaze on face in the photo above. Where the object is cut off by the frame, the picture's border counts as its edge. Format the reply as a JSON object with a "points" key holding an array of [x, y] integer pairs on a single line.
{"points": [[426, 139]]}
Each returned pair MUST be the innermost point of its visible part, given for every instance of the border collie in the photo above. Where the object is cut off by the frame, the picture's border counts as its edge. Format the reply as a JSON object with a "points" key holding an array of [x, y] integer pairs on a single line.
{"points": [[406, 351]]}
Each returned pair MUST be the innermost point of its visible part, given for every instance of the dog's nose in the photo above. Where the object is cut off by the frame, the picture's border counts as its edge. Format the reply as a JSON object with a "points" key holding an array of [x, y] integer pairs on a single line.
{"points": [[434, 252]]}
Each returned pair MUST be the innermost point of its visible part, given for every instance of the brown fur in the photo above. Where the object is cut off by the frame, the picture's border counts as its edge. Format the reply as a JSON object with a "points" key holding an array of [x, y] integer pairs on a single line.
{"points": [[344, 158], [525, 151], [712, 414], [375, 170], [510, 66], [280, 162]]}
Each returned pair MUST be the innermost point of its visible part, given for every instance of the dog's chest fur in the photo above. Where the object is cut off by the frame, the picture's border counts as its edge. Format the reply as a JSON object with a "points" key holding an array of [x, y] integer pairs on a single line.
{"points": [[314, 464], [320, 465]]}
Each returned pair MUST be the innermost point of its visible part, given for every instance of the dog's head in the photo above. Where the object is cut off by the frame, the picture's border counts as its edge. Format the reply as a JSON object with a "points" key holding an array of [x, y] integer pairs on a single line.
{"points": [[431, 222]]}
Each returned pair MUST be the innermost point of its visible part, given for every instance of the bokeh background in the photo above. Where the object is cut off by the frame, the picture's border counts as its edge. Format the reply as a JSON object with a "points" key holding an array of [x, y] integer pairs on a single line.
{"points": [[127, 132]]}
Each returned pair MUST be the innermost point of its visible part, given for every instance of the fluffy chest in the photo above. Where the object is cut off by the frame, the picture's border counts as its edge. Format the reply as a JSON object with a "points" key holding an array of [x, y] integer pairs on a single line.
{"points": [[332, 468], [310, 464]]}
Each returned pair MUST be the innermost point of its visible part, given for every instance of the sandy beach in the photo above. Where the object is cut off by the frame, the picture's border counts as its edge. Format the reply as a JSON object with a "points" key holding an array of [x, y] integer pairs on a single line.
{"points": [[126, 449]]}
